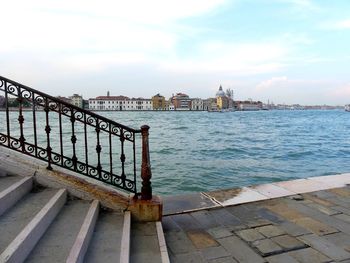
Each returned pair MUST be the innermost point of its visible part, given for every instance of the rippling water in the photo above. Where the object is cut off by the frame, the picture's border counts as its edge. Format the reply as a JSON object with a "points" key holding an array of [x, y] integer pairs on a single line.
{"points": [[200, 151]]}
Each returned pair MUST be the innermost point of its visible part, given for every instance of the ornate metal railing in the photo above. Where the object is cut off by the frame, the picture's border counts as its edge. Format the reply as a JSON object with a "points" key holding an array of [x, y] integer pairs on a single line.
{"points": [[68, 136]]}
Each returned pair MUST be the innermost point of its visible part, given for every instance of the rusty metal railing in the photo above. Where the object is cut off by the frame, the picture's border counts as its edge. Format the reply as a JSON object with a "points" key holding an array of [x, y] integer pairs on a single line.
{"points": [[76, 139]]}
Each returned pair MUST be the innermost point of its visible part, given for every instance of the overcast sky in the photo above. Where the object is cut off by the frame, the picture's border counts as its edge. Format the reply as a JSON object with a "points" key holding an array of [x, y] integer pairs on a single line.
{"points": [[285, 51]]}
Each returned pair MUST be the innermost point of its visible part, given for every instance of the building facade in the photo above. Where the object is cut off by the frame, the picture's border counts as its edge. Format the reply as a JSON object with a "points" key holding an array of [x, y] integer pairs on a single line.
{"points": [[181, 101], [119, 103], [77, 100], [158, 102], [197, 104]]}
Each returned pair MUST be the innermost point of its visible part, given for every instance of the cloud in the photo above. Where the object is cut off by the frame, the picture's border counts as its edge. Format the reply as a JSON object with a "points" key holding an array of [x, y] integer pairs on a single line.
{"points": [[267, 84], [337, 25], [237, 58]]}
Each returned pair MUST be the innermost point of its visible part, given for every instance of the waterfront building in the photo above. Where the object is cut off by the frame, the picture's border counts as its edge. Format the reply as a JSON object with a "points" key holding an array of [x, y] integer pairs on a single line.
{"points": [[222, 101], [181, 101], [158, 102], [77, 100], [108, 103], [119, 103], [197, 104], [248, 105], [139, 104], [65, 99], [207, 104]]}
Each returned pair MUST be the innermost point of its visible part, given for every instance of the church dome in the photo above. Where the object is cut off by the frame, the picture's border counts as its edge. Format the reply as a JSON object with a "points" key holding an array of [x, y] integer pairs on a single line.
{"points": [[220, 93]]}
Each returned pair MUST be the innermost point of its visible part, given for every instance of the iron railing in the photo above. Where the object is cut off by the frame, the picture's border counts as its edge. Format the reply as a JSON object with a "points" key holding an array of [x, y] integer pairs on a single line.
{"points": [[83, 141]]}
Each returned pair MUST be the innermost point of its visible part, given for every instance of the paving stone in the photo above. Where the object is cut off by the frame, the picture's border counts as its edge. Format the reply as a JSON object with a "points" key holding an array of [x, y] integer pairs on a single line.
{"points": [[258, 222], [214, 253], [205, 219], [340, 240], [318, 200], [309, 255], [288, 243], [186, 222], [326, 247], [223, 260], [201, 239], [250, 235], [195, 257], [178, 242], [293, 229], [272, 217], [267, 247], [169, 224], [225, 218], [315, 226], [281, 258], [343, 217], [342, 209], [240, 250], [220, 232], [340, 191], [270, 231], [243, 213], [331, 221], [339, 201], [323, 209]]}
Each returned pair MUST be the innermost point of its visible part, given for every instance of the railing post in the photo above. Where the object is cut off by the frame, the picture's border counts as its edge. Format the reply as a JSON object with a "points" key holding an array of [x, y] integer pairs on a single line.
{"points": [[146, 174]]}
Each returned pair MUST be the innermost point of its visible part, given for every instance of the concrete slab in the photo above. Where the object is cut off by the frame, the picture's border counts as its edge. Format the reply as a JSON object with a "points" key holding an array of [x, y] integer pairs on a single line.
{"points": [[302, 186], [271, 190], [182, 203], [236, 196]]}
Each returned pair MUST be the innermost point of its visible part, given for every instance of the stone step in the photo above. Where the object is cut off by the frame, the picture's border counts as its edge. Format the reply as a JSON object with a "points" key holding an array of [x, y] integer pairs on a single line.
{"points": [[145, 246], [8, 180], [125, 245], [21, 246], [106, 240], [55, 245], [15, 219], [16, 188], [81, 244]]}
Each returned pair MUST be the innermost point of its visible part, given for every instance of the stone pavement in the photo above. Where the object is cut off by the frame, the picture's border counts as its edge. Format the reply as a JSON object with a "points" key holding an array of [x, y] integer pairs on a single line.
{"points": [[309, 227]]}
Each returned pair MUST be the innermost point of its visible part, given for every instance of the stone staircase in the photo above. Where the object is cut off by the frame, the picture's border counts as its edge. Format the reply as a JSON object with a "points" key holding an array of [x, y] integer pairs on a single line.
{"points": [[39, 224]]}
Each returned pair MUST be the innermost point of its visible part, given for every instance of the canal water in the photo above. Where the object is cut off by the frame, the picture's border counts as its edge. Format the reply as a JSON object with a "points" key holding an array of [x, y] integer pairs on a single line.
{"points": [[201, 151]]}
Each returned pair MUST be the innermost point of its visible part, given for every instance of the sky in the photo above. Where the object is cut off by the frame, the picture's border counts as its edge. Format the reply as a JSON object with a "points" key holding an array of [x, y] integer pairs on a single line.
{"points": [[281, 51]]}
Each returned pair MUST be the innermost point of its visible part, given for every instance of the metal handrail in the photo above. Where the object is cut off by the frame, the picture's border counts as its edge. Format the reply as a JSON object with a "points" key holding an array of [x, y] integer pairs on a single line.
{"points": [[75, 117]]}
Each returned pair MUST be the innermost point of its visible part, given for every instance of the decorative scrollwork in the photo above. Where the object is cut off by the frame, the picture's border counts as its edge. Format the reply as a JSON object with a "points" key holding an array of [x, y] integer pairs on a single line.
{"points": [[78, 115], [93, 172], [66, 110], [12, 89], [42, 154], [116, 130], [56, 158], [128, 135], [29, 148], [39, 100], [91, 121], [103, 125], [15, 144], [3, 138], [106, 177], [68, 163], [54, 105], [2, 84], [26, 94]]}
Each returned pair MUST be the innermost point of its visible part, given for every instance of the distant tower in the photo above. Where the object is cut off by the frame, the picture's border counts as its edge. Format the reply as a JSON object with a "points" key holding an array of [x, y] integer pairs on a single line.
{"points": [[107, 93]]}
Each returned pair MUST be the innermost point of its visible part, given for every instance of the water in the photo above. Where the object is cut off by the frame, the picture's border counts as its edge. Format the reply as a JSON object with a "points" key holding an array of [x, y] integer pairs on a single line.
{"points": [[201, 151]]}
